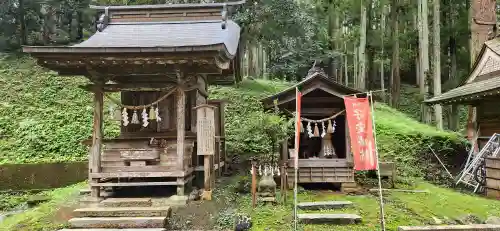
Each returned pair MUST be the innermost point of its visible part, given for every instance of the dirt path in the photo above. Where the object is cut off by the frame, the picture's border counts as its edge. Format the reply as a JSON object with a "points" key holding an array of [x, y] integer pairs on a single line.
{"points": [[202, 215]]}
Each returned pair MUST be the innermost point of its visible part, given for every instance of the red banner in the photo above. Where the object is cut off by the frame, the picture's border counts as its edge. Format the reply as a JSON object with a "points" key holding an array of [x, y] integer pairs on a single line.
{"points": [[298, 99], [361, 133]]}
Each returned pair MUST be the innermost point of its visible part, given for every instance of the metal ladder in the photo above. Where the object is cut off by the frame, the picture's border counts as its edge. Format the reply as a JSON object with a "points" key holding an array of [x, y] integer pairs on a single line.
{"points": [[491, 149]]}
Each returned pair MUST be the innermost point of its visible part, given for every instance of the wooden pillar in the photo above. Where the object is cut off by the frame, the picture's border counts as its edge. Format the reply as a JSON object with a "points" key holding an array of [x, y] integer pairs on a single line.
{"points": [[181, 123], [222, 107], [348, 154], [95, 151], [207, 193], [284, 161], [254, 185]]}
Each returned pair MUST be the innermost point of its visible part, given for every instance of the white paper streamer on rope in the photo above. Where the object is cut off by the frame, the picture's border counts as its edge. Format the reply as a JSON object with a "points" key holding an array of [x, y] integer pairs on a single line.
{"points": [[125, 117], [144, 115], [135, 118], [323, 132], [309, 129], [157, 114]]}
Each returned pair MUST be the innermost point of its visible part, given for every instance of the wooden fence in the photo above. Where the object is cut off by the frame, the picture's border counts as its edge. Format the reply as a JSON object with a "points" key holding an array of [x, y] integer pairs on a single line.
{"points": [[493, 178]]}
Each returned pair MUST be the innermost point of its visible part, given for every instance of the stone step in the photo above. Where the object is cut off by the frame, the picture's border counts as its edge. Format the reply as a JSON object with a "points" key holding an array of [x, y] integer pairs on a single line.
{"points": [[127, 202], [118, 222], [319, 205], [477, 227], [336, 219], [123, 212], [139, 229]]}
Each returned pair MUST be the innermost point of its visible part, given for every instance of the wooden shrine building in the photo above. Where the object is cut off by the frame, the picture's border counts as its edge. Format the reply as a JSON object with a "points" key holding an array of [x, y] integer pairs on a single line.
{"points": [[324, 152], [480, 90], [161, 59]]}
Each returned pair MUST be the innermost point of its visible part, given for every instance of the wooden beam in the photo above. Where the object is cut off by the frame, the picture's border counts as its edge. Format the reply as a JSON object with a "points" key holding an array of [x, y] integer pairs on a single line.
{"points": [[319, 111], [320, 163], [321, 100], [130, 87], [142, 174], [95, 153]]}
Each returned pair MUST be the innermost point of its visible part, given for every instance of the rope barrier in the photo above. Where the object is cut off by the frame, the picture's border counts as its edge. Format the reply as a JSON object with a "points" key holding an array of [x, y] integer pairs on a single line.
{"points": [[139, 107]]}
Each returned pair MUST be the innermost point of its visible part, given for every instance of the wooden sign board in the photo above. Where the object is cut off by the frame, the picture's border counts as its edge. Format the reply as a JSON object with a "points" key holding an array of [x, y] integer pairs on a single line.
{"points": [[140, 154], [205, 129]]}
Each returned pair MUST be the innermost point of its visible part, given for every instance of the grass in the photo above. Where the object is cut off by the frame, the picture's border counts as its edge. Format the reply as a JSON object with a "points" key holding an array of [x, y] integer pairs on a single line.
{"points": [[401, 209], [48, 216]]}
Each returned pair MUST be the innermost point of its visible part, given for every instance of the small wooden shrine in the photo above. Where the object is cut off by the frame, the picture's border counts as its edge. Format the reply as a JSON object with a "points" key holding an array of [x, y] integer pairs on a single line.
{"points": [[480, 90], [324, 152], [160, 58]]}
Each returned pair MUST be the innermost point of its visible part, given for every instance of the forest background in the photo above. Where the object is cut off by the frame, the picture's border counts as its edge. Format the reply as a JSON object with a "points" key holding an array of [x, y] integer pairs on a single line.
{"points": [[422, 44]]}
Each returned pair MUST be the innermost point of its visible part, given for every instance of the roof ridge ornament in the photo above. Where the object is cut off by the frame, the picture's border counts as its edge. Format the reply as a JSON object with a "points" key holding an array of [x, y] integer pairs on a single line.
{"points": [[224, 14], [103, 20]]}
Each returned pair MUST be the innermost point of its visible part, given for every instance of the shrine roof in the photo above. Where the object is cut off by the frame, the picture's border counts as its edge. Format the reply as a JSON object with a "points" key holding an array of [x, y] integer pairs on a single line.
{"points": [[483, 81], [157, 36], [170, 6], [315, 81]]}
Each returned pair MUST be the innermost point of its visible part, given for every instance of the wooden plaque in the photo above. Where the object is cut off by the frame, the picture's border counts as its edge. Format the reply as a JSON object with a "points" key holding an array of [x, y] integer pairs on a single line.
{"points": [[140, 154], [205, 129]]}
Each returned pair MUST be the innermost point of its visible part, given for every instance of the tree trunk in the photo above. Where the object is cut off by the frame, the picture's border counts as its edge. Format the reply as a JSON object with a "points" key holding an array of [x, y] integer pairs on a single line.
{"points": [[356, 66], [417, 45], [22, 23], [454, 116], [370, 49], [424, 59], [79, 15], [438, 110], [395, 78], [331, 71], [382, 55], [362, 49], [346, 66]]}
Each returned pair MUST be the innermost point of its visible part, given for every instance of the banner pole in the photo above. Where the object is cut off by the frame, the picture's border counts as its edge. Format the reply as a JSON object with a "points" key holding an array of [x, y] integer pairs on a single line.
{"points": [[296, 159], [295, 197], [382, 218]]}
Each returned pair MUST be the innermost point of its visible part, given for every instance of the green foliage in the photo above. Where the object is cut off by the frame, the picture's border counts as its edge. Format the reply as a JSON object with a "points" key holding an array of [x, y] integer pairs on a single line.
{"points": [[9, 201], [43, 117], [44, 217], [246, 123], [406, 141]]}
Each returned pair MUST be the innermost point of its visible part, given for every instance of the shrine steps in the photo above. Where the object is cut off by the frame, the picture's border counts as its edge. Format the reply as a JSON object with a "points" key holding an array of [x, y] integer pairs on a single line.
{"points": [[127, 202], [133, 214], [327, 218], [123, 212], [145, 229], [118, 222], [321, 205]]}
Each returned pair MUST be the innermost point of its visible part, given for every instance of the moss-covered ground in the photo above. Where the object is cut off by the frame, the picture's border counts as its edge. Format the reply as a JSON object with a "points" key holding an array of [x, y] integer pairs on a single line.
{"points": [[49, 216], [401, 208]]}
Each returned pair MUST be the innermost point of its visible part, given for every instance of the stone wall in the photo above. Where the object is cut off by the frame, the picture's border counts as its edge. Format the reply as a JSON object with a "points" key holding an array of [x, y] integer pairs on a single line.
{"points": [[41, 176]]}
